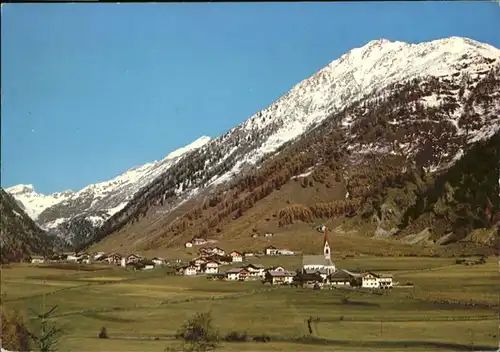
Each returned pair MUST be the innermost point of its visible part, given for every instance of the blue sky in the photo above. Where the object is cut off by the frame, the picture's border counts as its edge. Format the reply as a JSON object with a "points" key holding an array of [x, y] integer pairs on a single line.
{"points": [[91, 90]]}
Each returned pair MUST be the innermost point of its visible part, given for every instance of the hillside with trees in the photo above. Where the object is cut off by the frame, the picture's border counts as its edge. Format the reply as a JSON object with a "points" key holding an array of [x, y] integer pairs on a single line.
{"points": [[381, 157], [20, 236]]}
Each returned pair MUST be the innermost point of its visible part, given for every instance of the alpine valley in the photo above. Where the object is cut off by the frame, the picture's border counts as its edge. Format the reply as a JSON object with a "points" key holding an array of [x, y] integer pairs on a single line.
{"points": [[391, 141]]}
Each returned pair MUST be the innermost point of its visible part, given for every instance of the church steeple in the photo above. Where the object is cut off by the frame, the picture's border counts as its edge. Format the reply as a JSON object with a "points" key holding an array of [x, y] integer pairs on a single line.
{"points": [[326, 246]]}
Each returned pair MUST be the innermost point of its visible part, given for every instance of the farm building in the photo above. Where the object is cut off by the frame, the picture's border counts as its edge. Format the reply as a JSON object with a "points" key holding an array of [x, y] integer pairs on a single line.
{"points": [[340, 278], [189, 270], [373, 280], [279, 277], [210, 267], [237, 274], [236, 257], [133, 258], [37, 259], [271, 250]]}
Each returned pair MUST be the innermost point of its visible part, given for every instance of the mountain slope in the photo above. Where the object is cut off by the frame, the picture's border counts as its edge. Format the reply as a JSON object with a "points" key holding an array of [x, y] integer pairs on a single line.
{"points": [[20, 237], [428, 100], [79, 213], [405, 108]]}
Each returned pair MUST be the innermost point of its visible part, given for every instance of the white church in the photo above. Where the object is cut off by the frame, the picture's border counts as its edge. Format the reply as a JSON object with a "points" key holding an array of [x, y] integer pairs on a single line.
{"points": [[319, 263]]}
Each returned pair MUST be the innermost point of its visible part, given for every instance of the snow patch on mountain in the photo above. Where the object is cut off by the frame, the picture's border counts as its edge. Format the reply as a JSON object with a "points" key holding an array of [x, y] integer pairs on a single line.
{"points": [[34, 203]]}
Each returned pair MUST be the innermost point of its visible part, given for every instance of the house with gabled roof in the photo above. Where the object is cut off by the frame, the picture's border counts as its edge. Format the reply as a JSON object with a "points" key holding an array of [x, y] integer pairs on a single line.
{"points": [[210, 267], [133, 258], [279, 277], [236, 257], [373, 280], [235, 274], [114, 258], [256, 271], [340, 278], [187, 270]]}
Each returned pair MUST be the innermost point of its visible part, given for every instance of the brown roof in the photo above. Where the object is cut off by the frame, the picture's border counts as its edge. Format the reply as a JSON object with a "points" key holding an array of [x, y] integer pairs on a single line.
{"points": [[282, 273], [340, 275]]}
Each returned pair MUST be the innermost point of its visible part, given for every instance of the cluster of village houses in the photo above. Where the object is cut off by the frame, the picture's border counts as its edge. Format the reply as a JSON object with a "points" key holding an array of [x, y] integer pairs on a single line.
{"points": [[316, 271]]}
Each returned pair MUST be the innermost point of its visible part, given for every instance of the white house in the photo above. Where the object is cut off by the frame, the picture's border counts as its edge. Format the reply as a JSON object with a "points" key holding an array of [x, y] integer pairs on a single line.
{"points": [[255, 270], [188, 245], [236, 274], [134, 258], [236, 256], [189, 270], [98, 255], [373, 280], [285, 252], [84, 259], [269, 234], [37, 260], [218, 251], [114, 259], [123, 262], [211, 267], [281, 277], [199, 241], [321, 228], [73, 257], [148, 266], [271, 250]]}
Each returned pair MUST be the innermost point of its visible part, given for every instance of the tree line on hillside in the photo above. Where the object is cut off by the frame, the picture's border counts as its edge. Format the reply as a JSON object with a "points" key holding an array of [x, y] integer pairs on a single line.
{"points": [[385, 120]]}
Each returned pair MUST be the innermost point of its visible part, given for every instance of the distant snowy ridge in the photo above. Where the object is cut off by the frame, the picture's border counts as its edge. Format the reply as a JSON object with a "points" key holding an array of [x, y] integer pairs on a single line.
{"points": [[105, 198]]}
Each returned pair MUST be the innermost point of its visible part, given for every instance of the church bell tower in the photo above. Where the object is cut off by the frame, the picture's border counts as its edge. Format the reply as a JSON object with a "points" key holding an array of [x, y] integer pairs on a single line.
{"points": [[326, 247]]}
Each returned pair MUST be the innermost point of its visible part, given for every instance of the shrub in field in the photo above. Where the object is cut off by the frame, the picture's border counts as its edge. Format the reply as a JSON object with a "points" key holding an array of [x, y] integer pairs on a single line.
{"points": [[15, 336], [235, 336], [199, 333], [103, 334]]}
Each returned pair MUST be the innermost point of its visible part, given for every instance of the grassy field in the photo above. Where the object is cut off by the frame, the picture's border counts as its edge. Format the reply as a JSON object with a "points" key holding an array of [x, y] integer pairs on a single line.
{"points": [[148, 305]]}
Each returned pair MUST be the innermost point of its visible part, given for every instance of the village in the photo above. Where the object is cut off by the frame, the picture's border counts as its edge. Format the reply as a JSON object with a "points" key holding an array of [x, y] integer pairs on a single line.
{"points": [[317, 271]]}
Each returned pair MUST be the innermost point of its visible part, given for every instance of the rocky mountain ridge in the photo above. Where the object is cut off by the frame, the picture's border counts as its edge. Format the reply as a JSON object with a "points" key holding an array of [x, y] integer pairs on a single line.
{"points": [[97, 202], [452, 66]]}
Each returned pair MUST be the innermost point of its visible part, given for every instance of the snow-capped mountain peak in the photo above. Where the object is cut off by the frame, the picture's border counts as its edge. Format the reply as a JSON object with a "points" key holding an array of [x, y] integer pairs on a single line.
{"points": [[97, 201], [361, 73], [200, 142]]}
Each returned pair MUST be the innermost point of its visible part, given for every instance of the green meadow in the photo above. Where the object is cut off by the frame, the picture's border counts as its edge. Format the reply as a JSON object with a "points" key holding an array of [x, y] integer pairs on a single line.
{"points": [[450, 307]]}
